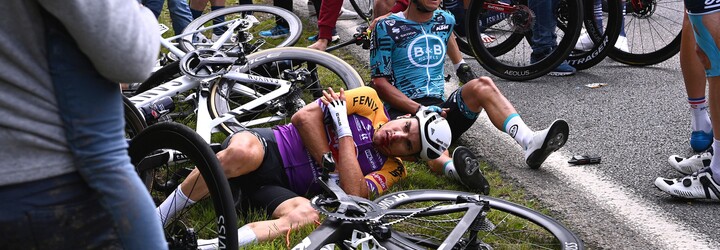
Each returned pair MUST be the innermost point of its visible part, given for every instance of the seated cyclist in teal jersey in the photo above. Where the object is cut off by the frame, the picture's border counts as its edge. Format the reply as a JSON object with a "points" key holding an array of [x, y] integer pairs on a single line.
{"points": [[406, 57], [703, 176], [276, 168]]}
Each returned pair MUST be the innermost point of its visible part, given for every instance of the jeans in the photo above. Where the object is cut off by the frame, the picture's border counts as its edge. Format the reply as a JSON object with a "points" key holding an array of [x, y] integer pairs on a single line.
{"points": [[59, 212], [543, 32], [91, 109], [179, 12]]}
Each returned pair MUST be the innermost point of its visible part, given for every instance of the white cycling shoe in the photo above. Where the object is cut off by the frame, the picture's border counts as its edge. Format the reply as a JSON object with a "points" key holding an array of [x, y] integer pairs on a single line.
{"points": [[545, 142], [691, 164], [699, 185]]}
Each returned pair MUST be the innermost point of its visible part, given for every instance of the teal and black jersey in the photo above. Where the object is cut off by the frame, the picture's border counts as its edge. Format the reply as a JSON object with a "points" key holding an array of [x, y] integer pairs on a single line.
{"points": [[411, 55]]}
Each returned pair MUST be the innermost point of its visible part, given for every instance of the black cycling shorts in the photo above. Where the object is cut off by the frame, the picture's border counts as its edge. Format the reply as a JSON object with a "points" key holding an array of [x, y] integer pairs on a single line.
{"points": [[266, 187]]}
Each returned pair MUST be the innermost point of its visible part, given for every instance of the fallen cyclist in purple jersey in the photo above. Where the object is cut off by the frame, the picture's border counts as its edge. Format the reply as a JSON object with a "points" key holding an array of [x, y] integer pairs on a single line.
{"points": [[276, 168]]}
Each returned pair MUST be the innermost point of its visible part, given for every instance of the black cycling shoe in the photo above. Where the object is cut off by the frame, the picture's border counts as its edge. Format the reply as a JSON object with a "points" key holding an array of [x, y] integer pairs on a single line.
{"points": [[464, 73], [468, 168]]}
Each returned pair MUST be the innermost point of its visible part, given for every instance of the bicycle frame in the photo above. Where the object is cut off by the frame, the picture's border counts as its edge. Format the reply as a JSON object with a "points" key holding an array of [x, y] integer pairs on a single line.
{"points": [[205, 125]]}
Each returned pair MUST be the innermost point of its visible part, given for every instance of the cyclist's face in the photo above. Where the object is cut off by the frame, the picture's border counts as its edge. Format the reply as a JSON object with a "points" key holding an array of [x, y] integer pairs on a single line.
{"points": [[400, 137], [429, 4]]}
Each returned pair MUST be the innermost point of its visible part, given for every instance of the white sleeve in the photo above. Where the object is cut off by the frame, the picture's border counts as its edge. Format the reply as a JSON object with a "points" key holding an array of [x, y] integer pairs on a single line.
{"points": [[121, 37]]}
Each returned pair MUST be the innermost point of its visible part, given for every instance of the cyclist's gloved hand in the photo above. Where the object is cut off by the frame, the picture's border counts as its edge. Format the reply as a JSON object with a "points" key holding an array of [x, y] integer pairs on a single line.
{"points": [[337, 109], [465, 73], [431, 108]]}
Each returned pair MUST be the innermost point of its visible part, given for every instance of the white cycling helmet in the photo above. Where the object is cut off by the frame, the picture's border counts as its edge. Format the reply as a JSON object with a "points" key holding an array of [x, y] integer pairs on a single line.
{"points": [[435, 135]]}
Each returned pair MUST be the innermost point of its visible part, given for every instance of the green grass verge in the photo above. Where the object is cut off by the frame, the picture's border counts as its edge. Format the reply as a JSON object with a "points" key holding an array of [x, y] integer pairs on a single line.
{"points": [[419, 176]]}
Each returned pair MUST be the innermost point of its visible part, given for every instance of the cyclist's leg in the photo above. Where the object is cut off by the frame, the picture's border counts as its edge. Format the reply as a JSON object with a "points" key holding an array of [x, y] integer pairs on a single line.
{"points": [[707, 37], [694, 78], [244, 154]]}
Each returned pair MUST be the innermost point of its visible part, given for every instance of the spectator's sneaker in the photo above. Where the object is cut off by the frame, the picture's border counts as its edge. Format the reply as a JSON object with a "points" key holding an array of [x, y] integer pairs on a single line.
{"points": [[564, 69], [691, 164], [464, 73], [346, 14], [277, 32], [622, 44], [584, 43], [699, 185], [700, 140], [468, 168], [545, 142], [335, 37]]}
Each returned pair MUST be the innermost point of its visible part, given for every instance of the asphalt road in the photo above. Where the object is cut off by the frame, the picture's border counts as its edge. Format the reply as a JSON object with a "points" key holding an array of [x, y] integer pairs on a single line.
{"points": [[634, 123]]}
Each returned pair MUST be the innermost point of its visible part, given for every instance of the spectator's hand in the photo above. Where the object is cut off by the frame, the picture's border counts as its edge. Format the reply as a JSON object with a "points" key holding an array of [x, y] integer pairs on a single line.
{"points": [[320, 44], [337, 108], [374, 21]]}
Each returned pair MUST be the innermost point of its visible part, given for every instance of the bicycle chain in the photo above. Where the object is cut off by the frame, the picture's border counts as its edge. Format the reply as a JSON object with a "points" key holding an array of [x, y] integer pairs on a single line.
{"points": [[410, 216]]}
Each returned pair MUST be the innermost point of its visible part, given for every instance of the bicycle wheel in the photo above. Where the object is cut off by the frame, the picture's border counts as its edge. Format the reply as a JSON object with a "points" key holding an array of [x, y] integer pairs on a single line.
{"points": [[248, 33], [163, 155], [512, 21], [311, 71], [134, 121], [511, 226], [653, 32], [364, 8], [601, 34]]}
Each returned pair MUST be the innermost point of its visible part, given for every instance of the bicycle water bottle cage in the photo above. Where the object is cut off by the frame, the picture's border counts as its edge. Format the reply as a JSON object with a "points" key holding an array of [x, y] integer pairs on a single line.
{"points": [[204, 63]]}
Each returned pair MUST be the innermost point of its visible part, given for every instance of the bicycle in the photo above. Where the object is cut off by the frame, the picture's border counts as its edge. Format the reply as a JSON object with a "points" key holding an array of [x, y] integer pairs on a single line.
{"points": [[445, 220], [653, 30], [163, 154], [507, 57]]}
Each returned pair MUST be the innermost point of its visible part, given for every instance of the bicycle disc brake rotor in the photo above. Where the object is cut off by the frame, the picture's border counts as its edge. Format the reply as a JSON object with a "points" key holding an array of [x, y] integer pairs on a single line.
{"points": [[191, 64], [642, 8], [522, 20], [328, 207]]}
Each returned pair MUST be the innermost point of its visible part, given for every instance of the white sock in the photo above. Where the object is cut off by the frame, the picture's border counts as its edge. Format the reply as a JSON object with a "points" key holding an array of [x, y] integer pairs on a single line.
{"points": [[700, 118], [174, 203], [246, 236], [449, 170], [715, 161], [457, 65], [518, 130]]}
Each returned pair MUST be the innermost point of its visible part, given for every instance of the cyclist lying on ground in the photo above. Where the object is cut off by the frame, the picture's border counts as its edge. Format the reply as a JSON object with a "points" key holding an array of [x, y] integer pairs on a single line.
{"points": [[275, 167], [407, 56]]}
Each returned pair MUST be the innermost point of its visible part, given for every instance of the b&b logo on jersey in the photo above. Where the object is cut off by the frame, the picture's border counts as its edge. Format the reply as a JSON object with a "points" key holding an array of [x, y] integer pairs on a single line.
{"points": [[426, 51]]}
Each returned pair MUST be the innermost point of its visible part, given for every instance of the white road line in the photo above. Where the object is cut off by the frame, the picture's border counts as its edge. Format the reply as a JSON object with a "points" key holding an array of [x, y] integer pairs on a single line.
{"points": [[642, 216]]}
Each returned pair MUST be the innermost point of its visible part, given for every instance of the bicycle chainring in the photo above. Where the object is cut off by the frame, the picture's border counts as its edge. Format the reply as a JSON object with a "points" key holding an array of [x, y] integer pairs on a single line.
{"points": [[522, 19], [328, 207]]}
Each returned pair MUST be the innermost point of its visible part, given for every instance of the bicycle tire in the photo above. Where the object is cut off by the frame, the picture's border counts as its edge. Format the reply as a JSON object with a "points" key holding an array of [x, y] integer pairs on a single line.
{"points": [[364, 8], [515, 64], [265, 63], [267, 22], [506, 42], [504, 214], [603, 38], [657, 21], [134, 121], [175, 136]]}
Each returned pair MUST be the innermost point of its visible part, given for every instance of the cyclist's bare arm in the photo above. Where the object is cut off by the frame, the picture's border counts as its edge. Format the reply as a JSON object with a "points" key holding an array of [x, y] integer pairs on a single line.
{"points": [[310, 126]]}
